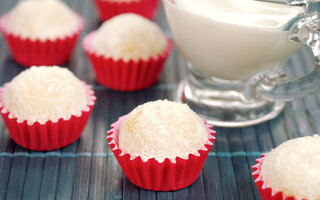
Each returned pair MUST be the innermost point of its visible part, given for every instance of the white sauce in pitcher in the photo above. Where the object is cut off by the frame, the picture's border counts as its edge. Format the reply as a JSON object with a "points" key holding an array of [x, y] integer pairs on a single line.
{"points": [[232, 39]]}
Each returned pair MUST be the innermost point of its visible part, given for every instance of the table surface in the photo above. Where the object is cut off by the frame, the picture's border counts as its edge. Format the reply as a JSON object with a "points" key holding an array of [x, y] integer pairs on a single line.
{"points": [[87, 168]]}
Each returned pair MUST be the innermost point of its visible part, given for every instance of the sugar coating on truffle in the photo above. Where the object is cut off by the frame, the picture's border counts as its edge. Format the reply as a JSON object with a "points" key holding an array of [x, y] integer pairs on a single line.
{"points": [[42, 19], [129, 36], [162, 129], [294, 168], [45, 93]]}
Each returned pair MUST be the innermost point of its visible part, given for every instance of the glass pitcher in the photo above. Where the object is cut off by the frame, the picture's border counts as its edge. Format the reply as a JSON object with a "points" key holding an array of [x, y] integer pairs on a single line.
{"points": [[235, 50]]}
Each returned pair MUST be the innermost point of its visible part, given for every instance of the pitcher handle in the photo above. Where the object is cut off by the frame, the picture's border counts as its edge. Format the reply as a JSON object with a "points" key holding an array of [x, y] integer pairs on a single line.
{"points": [[268, 87]]}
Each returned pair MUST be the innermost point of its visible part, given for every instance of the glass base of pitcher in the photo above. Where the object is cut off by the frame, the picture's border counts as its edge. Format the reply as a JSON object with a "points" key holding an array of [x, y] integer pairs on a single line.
{"points": [[226, 107]]}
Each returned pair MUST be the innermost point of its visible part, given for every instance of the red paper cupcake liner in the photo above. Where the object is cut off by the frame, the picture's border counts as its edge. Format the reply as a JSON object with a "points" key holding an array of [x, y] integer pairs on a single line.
{"points": [[51, 135], [108, 9], [29, 52], [266, 192], [165, 176], [125, 76]]}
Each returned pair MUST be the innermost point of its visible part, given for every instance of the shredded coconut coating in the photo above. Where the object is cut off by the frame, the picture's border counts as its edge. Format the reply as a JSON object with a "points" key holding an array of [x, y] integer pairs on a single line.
{"points": [[162, 129], [45, 93], [294, 168], [42, 19], [129, 36]]}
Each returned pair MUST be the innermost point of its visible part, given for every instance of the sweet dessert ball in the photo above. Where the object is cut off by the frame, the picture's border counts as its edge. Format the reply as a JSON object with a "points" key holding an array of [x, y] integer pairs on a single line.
{"points": [[45, 107], [129, 36], [292, 169], [161, 145], [110, 8], [45, 93], [41, 19], [162, 129], [49, 24], [127, 52]]}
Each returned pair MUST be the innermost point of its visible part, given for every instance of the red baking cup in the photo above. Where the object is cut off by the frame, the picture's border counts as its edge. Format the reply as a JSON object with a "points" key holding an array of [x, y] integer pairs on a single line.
{"points": [[51, 135], [164, 176], [125, 76], [266, 192], [29, 52], [108, 9]]}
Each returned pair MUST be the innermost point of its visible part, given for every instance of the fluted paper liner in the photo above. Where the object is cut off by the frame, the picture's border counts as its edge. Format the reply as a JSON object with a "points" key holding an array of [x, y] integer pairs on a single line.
{"points": [[108, 9], [165, 176], [28, 52], [125, 76], [266, 192], [50, 135]]}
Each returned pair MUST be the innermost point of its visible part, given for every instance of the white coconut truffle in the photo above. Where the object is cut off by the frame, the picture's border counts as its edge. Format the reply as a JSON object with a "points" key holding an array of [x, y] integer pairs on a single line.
{"points": [[294, 168], [45, 93], [162, 129], [129, 36], [42, 19]]}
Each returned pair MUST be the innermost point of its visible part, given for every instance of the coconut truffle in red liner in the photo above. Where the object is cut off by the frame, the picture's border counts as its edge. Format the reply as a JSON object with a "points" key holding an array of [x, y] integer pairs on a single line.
{"points": [[127, 52], [291, 171], [41, 32], [161, 145], [110, 8], [46, 108]]}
